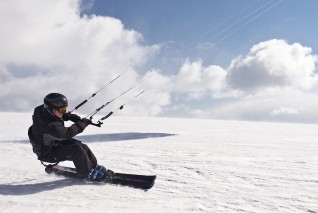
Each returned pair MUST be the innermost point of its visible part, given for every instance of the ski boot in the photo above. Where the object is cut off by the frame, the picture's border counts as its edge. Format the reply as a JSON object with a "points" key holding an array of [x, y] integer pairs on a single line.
{"points": [[97, 174]]}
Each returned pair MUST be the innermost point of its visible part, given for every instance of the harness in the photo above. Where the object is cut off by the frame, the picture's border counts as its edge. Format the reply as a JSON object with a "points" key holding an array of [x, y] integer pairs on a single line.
{"points": [[37, 150], [48, 164]]}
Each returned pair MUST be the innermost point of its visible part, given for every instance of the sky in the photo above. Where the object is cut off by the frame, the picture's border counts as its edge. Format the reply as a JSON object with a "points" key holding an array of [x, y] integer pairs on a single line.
{"points": [[239, 60]]}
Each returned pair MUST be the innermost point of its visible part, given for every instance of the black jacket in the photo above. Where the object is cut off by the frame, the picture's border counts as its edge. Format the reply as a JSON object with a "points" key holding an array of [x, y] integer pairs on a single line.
{"points": [[48, 131]]}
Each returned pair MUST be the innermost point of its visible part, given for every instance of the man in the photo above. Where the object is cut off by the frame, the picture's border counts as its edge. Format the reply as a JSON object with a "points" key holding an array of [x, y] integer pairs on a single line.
{"points": [[53, 142]]}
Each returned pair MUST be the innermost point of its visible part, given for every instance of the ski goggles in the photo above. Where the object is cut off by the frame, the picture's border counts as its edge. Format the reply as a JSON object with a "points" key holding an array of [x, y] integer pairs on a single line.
{"points": [[62, 110]]}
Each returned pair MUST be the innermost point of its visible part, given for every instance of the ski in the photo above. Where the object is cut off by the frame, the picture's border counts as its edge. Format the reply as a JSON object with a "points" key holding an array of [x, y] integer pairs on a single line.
{"points": [[132, 180], [144, 178]]}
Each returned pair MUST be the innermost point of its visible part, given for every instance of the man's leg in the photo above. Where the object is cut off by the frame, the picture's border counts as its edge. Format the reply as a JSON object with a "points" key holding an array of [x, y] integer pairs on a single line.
{"points": [[73, 151], [90, 155]]}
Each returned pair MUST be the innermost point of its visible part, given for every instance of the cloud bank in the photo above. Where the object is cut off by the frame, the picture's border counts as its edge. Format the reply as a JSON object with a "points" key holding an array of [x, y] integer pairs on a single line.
{"points": [[271, 64], [275, 81], [49, 46]]}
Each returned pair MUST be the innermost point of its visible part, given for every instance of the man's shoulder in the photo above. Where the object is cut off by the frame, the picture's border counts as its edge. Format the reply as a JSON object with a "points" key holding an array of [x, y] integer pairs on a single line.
{"points": [[39, 108]]}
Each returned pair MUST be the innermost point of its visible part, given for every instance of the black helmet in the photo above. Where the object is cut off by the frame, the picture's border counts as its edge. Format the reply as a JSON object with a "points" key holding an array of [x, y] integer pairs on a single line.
{"points": [[55, 101]]}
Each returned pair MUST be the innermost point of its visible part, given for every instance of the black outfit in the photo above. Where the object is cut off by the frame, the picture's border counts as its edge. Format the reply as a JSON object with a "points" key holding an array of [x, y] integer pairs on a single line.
{"points": [[53, 142]]}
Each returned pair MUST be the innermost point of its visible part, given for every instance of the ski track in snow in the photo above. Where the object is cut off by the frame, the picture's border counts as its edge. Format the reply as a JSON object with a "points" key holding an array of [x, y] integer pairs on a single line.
{"points": [[201, 166]]}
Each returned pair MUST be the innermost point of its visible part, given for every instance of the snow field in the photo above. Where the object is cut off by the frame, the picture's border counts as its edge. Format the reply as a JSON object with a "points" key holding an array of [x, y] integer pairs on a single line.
{"points": [[201, 166]]}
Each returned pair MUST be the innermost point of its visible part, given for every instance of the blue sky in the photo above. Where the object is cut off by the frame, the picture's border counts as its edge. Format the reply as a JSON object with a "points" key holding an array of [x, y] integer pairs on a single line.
{"points": [[185, 24], [242, 60]]}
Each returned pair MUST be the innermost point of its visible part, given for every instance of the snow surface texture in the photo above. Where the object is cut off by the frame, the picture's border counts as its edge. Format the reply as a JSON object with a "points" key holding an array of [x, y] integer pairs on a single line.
{"points": [[201, 166]]}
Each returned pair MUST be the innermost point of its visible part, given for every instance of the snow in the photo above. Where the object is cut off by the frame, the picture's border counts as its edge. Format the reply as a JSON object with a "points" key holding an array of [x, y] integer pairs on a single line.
{"points": [[201, 166]]}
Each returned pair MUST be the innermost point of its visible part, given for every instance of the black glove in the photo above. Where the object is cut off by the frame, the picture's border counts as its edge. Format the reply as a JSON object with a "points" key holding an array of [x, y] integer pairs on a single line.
{"points": [[86, 121], [83, 123], [72, 117]]}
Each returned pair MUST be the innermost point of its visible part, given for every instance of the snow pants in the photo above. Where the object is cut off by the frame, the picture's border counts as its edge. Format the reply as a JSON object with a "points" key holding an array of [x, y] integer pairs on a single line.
{"points": [[73, 150]]}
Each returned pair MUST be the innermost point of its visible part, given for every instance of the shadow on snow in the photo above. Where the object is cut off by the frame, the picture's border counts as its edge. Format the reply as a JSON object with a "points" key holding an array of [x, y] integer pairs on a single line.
{"points": [[111, 137], [120, 136], [27, 189]]}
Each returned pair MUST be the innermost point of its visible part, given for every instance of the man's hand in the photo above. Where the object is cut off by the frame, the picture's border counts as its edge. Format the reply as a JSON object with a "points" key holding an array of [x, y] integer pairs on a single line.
{"points": [[86, 121], [72, 117]]}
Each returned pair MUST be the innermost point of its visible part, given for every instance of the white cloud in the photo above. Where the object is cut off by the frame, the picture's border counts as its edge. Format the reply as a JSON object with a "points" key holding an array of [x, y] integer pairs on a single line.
{"points": [[301, 108], [196, 80], [46, 46], [154, 99], [284, 110], [273, 63], [256, 86], [269, 66]]}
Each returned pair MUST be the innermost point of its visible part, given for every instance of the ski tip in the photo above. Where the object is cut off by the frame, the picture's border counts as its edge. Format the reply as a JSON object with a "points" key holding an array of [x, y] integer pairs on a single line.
{"points": [[151, 185], [48, 169]]}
